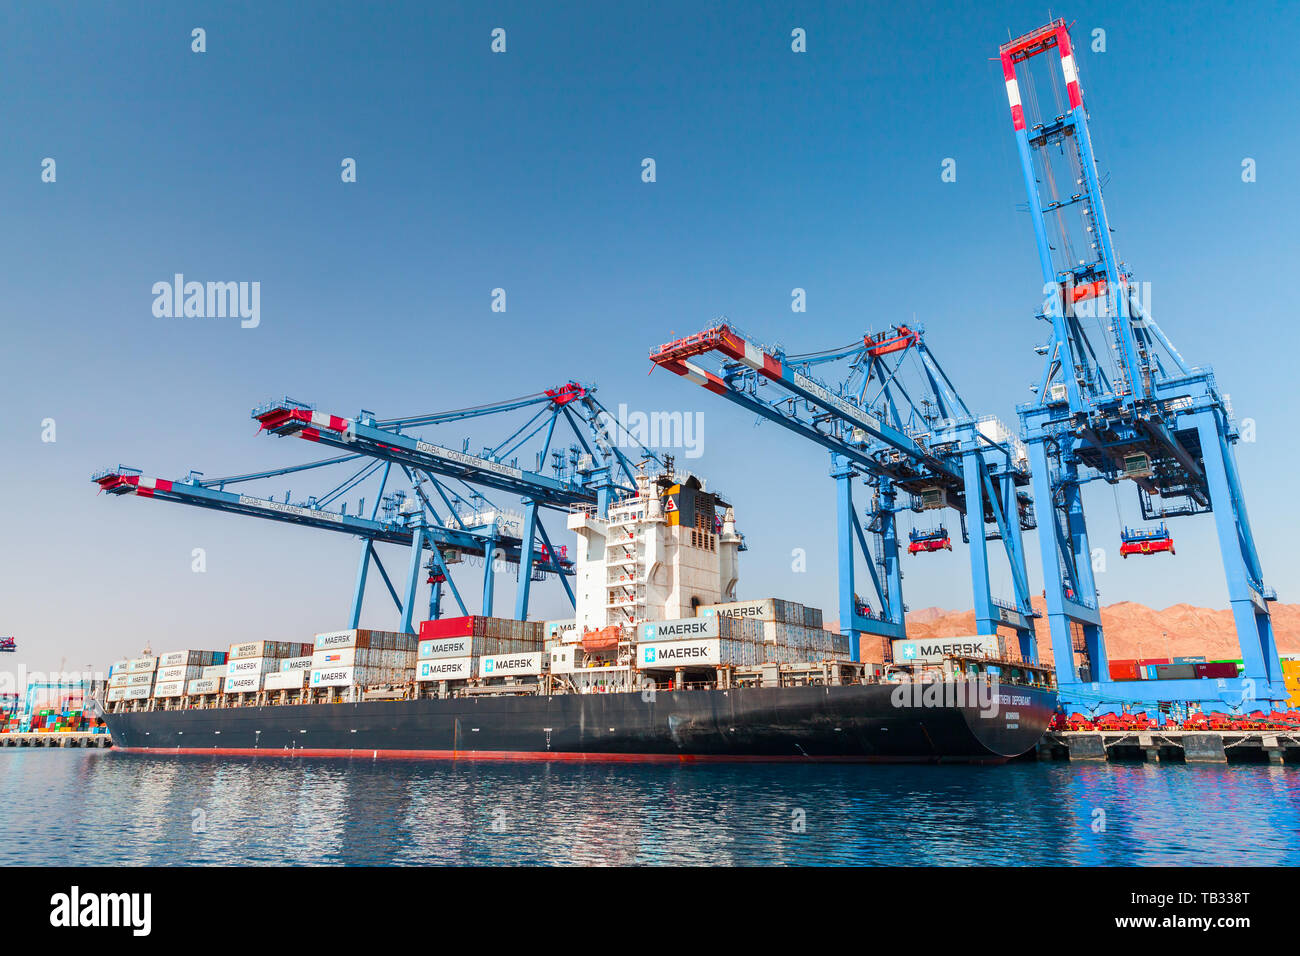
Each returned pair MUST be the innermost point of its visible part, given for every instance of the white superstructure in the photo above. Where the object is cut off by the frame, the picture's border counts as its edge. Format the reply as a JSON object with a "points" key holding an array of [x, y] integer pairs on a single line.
{"points": [[663, 552]]}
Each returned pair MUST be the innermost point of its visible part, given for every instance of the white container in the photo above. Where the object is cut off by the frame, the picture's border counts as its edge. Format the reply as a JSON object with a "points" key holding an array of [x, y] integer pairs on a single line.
{"points": [[215, 671], [334, 639], [510, 665], [444, 647], [142, 665], [445, 668], [285, 680], [687, 628], [243, 684], [667, 655], [205, 685], [187, 658], [566, 632], [181, 672], [115, 694], [251, 649], [335, 657], [131, 680], [296, 664], [332, 677], [935, 650], [174, 688], [135, 693], [251, 666]]}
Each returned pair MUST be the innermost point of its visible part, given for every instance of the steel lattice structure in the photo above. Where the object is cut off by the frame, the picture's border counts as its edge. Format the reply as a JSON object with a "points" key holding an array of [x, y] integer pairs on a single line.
{"points": [[1117, 402]]}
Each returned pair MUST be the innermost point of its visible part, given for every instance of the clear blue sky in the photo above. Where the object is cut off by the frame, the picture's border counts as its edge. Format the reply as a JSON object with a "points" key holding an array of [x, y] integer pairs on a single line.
{"points": [[522, 171]]}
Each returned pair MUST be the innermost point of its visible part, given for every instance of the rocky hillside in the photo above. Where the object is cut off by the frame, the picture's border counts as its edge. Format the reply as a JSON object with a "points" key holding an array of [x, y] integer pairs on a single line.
{"points": [[1135, 630]]}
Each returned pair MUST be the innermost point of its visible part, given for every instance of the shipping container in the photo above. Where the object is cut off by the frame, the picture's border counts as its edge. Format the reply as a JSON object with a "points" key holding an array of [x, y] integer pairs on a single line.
{"points": [[362, 637], [180, 672], [175, 688], [142, 665], [128, 679], [1216, 669], [285, 680], [510, 665], [268, 649], [531, 632], [1189, 660], [472, 646], [191, 658], [563, 632], [1124, 670], [295, 664], [1175, 671], [445, 668], [243, 684], [367, 657], [205, 685], [690, 628], [251, 666]]}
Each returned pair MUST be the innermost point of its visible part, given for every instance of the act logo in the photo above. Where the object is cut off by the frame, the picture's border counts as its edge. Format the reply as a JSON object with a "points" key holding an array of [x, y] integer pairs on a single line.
{"points": [[649, 632], [488, 665], [649, 655], [909, 652]]}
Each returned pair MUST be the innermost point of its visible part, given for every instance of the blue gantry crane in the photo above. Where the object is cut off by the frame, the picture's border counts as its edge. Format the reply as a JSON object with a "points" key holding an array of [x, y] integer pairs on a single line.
{"points": [[1117, 403], [900, 427], [431, 496]]}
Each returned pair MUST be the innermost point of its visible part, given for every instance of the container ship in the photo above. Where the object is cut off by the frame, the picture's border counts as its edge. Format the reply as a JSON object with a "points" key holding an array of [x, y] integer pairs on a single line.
{"points": [[660, 662]]}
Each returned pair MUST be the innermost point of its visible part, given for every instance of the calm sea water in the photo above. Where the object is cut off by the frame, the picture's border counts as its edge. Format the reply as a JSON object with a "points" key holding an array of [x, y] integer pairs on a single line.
{"points": [[93, 807]]}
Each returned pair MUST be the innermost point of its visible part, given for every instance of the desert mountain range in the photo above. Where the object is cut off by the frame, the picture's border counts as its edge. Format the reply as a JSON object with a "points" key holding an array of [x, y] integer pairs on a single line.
{"points": [[1132, 630]]}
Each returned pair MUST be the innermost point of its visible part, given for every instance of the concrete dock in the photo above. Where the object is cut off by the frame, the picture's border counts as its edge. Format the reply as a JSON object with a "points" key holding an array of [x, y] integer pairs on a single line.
{"points": [[1177, 746]]}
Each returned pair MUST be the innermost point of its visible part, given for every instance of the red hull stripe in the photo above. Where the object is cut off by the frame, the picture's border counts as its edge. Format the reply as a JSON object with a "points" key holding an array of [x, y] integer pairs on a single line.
{"points": [[530, 756]]}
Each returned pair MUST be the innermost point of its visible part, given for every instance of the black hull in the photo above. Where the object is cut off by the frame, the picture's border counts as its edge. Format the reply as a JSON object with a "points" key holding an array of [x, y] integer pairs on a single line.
{"points": [[849, 723]]}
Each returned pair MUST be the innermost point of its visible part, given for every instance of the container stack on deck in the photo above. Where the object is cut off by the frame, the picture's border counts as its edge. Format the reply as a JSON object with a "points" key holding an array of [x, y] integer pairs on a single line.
{"points": [[248, 663], [211, 679], [177, 669], [451, 648], [740, 634], [132, 679], [790, 632], [362, 658]]}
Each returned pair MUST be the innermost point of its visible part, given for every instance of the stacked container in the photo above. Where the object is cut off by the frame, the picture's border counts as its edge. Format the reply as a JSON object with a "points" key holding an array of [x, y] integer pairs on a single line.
{"points": [[792, 632], [743, 639], [132, 679], [362, 658], [248, 663]]}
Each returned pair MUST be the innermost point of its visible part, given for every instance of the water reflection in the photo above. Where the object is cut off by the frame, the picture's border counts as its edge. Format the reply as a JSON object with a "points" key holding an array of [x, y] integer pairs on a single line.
{"points": [[70, 807]]}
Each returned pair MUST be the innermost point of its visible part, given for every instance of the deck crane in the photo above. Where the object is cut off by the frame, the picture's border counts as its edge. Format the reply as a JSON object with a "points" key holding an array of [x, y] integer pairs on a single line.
{"points": [[594, 471], [914, 443], [1116, 401]]}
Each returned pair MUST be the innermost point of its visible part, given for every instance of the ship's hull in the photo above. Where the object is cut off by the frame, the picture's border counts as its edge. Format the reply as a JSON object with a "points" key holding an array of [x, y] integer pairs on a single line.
{"points": [[871, 722]]}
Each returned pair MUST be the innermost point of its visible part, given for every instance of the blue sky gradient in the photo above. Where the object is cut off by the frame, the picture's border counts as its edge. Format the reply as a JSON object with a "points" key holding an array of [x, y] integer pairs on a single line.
{"points": [[522, 171]]}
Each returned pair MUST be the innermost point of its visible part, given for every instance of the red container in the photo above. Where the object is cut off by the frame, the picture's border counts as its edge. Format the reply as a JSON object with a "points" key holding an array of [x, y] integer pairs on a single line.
{"points": [[1213, 670], [1146, 661], [1124, 670], [451, 627]]}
